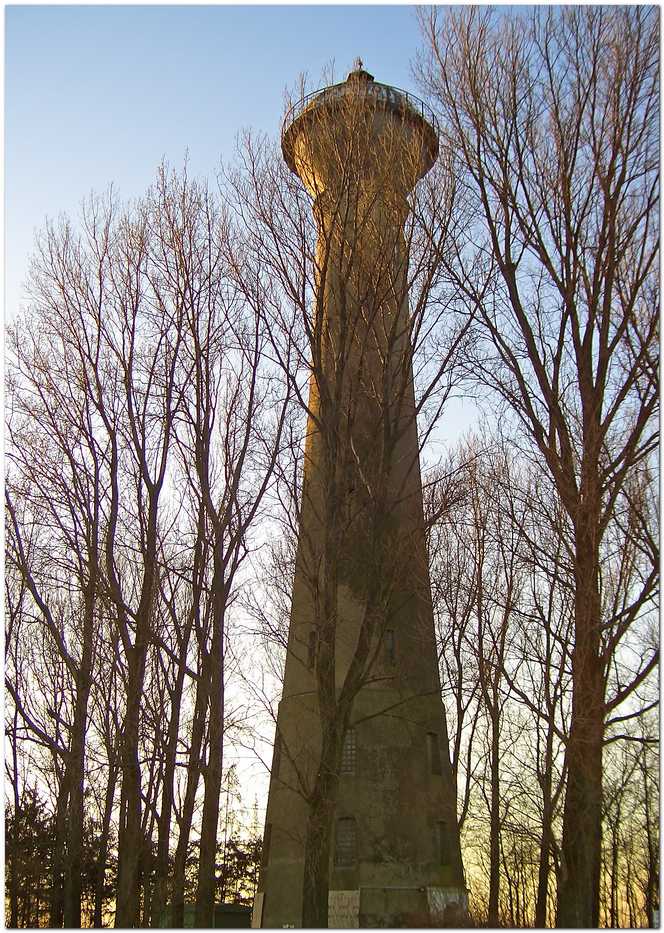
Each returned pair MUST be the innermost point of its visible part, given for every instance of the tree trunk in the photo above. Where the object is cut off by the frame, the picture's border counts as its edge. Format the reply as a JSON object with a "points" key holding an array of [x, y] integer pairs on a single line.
{"points": [[205, 895], [129, 836], [16, 847], [544, 869], [319, 831], [72, 891], [146, 877], [76, 763], [494, 842], [100, 872], [578, 894], [511, 887], [160, 887], [652, 851], [615, 880], [56, 906], [193, 775]]}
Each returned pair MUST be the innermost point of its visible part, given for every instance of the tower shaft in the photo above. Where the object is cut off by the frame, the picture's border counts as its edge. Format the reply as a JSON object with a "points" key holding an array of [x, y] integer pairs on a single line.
{"points": [[361, 752]]}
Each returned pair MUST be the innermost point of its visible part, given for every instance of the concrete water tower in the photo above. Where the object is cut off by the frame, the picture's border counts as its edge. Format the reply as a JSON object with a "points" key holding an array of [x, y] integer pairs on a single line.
{"points": [[360, 147]]}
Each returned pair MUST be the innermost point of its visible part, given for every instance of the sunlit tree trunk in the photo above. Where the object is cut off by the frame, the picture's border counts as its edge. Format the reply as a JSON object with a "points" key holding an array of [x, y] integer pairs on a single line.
{"points": [[212, 773]]}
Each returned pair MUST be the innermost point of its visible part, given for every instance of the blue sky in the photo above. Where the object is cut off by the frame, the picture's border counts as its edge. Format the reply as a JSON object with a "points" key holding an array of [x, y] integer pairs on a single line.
{"points": [[96, 95], [100, 94]]}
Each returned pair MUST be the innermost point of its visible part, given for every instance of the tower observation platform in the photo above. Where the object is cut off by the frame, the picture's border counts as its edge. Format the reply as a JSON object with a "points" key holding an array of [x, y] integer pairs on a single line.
{"points": [[360, 84], [361, 758]]}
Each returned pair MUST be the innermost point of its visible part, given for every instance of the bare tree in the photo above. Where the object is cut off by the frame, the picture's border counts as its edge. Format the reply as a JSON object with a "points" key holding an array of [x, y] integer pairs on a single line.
{"points": [[58, 477], [229, 434], [630, 864], [554, 119], [479, 575], [145, 419], [538, 666], [497, 595], [103, 756], [178, 598], [453, 584], [15, 593], [648, 770], [112, 419], [499, 540]]}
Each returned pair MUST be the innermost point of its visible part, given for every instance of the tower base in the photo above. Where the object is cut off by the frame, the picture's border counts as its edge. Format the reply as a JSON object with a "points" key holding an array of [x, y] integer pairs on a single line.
{"points": [[390, 908]]}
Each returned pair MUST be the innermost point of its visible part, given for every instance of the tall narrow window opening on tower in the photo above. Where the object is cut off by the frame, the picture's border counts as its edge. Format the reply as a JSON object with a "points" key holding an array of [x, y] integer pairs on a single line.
{"points": [[345, 848], [349, 752], [433, 750], [313, 648], [390, 647], [276, 757], [443, 843]]}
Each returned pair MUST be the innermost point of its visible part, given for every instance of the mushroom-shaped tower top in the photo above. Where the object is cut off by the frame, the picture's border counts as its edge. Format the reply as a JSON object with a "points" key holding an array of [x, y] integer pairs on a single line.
{"points": [[388, 103]]}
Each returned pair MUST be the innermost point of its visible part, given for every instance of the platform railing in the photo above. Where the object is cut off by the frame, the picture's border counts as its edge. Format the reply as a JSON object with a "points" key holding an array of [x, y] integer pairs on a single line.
{"points": [[384, 93]]}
